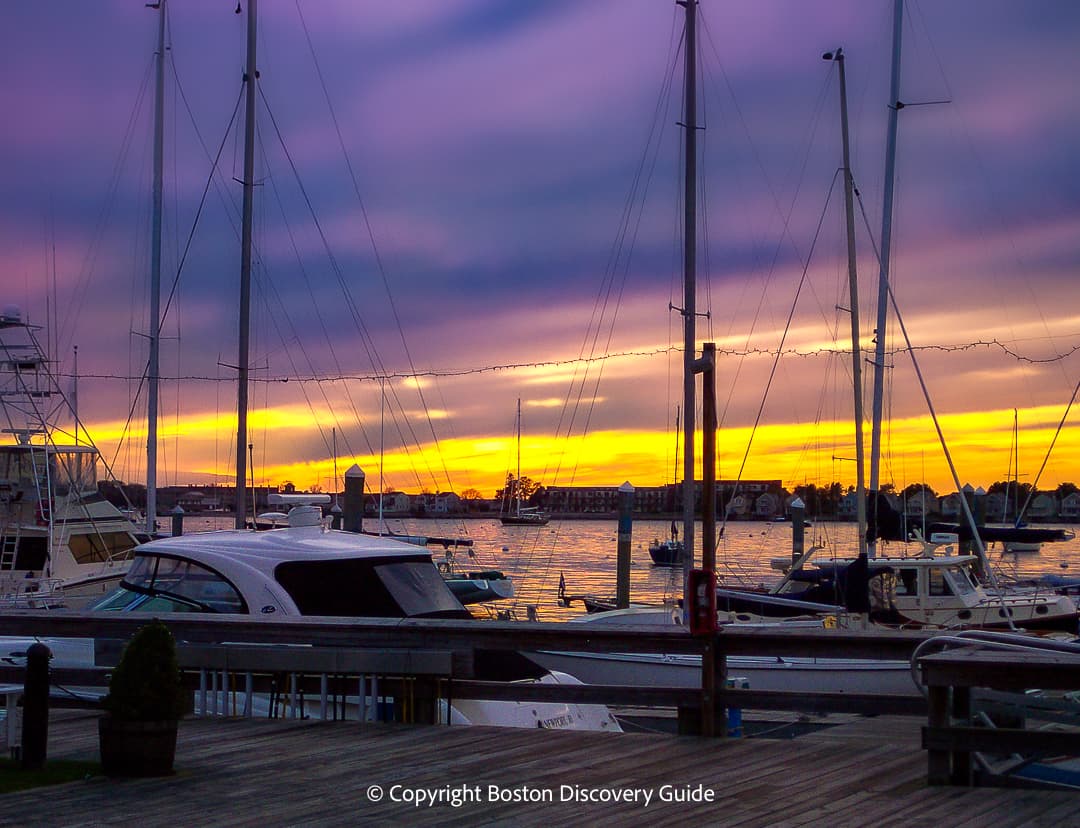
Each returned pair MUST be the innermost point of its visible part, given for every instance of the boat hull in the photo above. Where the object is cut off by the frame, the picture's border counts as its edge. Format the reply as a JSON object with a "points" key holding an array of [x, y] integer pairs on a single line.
{"points": [[831, 675]]}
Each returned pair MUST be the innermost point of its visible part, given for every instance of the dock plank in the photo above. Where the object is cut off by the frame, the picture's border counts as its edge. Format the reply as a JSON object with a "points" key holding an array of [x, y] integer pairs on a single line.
{"points": [[243, 772]]}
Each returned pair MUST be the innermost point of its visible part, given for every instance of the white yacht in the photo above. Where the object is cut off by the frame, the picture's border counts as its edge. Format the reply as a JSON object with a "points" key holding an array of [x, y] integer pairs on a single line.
{"points": [[310, 570], [61, 542]]}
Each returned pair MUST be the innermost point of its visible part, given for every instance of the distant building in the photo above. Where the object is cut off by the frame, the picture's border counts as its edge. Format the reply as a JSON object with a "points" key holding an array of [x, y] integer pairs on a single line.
{"points": [[1043, 507], [767, 505], [848, 507], [1070, 507], [919, 505], [951, 506]]}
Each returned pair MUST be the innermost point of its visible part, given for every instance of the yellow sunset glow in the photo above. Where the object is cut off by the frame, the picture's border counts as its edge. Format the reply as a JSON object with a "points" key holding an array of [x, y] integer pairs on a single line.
{"points": [[980, 443]]}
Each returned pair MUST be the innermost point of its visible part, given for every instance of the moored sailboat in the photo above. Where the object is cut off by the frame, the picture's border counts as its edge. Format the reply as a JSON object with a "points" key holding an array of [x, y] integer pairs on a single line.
{"points": [[519, 515]]}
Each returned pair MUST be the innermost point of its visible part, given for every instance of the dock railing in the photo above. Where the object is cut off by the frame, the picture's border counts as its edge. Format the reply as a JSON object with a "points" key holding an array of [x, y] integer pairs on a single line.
{"points": [[424, 664]]}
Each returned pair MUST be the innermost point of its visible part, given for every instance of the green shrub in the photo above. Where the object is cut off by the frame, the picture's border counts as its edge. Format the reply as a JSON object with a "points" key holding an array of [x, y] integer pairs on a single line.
{"points": [[145, 686]]}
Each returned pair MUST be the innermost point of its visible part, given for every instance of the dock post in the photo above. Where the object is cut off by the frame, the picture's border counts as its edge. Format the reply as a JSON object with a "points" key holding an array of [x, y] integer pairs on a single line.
{"points": [[177, 515], [938, 761], [709, 664], [626, 531], [35, 725], [798, 533], [354, 500]]}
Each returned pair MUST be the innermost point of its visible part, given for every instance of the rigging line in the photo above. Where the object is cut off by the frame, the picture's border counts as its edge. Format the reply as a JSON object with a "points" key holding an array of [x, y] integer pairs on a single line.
{"points": [[783, 338], [811, 132], [1064, 416], [980, 549], [785, 216], [326, 336], [366, 339], [487, 369], [176, 278], [1042, 468], [374, 245], [661, 108], [989, 570], [214, 170], [643, 175], [985, 175], [634, 222], [41, 418], [102, 220]]}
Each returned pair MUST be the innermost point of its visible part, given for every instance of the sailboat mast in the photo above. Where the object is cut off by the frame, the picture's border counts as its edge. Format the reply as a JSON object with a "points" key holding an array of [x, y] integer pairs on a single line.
{"points": [[517, 482], [250, 77], [853, 289], [153, 370], [883, 272], [689, 281]]}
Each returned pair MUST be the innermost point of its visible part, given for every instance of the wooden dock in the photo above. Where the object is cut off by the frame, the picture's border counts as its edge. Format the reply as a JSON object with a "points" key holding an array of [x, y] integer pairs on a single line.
{"points": [[862, 771]]}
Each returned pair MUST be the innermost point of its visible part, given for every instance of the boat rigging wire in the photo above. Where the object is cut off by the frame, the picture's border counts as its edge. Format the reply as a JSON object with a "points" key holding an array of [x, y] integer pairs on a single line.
{"points": [[780, 349], [966, 507]]}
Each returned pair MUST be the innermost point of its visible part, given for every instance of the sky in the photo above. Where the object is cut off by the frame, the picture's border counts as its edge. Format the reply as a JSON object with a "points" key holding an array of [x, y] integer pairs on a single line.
{"points": [[464, 203]]}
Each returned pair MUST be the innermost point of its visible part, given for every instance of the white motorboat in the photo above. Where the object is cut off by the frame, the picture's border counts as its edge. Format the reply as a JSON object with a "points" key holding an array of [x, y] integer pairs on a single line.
{"points": [[61, 542], [834, 675], [937, 589], [310, 570]]}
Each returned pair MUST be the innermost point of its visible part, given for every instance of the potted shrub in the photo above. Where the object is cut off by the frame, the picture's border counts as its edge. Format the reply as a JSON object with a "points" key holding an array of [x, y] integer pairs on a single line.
{"points": [[144, 704]]}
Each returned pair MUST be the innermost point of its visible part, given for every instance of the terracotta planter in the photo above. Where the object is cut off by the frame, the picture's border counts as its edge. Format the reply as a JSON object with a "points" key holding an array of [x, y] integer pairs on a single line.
{"points": [[136, 748]]}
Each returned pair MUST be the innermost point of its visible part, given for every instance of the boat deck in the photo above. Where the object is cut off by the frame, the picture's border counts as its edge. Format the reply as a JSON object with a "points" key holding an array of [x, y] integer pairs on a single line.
{"points": [[861, 771]]}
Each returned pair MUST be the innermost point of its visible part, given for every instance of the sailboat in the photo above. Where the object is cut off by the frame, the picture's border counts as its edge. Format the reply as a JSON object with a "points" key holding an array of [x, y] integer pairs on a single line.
{"points": [[1015, 537], [310, 570], [62, 544], [521, 515], [942, 592], [669, 552]]}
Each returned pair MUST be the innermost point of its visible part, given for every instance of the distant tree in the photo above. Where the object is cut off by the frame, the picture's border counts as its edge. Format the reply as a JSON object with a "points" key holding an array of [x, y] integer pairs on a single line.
{"points": [[538, 497], [471, 494], [1066, 489], [525, 486], [915, 489]]}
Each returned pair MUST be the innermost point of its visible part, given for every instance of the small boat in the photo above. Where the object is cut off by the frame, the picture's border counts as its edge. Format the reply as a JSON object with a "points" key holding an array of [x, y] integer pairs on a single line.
{"points": [[526, 516], [667, 552]]}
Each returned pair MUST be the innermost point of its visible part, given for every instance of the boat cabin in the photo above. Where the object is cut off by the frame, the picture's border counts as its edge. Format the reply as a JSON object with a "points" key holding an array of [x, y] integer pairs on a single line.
{"points": [[305, 569]]}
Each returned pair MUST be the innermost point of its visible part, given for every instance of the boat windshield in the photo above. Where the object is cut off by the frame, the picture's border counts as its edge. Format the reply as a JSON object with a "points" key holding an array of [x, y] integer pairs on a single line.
{"points": [[356, 588], [960, 581], [157, 583]]}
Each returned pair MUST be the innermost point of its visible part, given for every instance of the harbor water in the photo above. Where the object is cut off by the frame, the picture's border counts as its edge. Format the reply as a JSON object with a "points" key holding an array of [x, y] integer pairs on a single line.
{"points": [[583, 553]]}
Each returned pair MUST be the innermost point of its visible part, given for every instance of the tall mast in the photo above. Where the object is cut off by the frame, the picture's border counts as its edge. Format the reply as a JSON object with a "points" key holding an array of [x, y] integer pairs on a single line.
{"points": [[689, 276], [250, 76], [883, 273], [517, 483], [853, 289], [153, 370]]}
